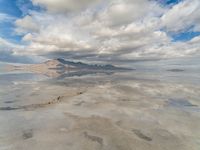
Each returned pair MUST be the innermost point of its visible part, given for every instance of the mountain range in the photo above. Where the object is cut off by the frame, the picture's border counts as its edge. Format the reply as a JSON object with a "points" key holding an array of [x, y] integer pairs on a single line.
{"points": [[59, 66]]}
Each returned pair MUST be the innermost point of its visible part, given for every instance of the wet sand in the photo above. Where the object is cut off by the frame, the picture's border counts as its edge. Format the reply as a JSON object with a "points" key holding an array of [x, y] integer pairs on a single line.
{"points": [[118, 112]]}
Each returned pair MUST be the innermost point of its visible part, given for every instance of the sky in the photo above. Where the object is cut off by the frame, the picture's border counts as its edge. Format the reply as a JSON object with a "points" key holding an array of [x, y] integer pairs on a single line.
{"points": [[98, 30]]}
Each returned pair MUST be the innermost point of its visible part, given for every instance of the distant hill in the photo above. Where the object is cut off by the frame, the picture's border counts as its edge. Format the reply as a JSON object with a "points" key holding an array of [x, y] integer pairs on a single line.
{"points": [[58, 67], [81, 65]]}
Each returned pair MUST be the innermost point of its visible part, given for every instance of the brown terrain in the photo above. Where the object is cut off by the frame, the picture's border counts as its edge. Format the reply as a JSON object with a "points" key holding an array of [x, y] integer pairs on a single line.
{"points": [[49, 68]]}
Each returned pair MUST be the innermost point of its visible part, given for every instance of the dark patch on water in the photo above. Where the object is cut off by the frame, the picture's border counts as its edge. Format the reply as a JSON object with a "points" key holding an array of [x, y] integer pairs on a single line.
{"points": [[34, 106], [94, 138], [9, 102], [180, 103], [79, 103], [27, 134], [33, 94], [8, 108], [126, 100], [175, 70], [84, 73], [141, 135]]}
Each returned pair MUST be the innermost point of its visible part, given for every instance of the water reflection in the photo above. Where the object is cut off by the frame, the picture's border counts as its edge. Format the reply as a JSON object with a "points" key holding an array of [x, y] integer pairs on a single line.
{"points": [[142, 108]]}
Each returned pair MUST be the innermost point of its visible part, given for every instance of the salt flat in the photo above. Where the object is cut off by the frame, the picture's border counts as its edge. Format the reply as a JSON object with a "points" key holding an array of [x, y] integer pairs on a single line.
{"points": [[99, 74], [122, 111]]}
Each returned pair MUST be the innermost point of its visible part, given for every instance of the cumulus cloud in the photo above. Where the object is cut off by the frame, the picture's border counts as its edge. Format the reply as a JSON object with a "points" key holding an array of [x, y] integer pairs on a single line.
{"points": [[117, 29], [26, 24], [182, 16], [64, 6], [127, 11], [9, 53]]}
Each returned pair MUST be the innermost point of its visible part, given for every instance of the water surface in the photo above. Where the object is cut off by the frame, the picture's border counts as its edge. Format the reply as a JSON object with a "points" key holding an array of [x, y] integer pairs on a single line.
{"points": [[154, 107]]}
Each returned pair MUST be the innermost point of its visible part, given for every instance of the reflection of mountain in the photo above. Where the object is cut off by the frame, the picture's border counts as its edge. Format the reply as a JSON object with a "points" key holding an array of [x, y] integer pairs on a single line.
{"points": [[62, 68], [83, 73]]}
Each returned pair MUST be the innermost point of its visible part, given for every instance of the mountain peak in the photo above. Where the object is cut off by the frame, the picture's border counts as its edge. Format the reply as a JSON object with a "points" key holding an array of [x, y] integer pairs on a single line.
{"points": [[81, 65], [52, 62], [60, 59]]}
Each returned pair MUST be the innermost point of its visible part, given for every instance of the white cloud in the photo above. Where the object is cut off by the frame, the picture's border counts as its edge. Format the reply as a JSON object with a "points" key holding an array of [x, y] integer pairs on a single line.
{"points": [[122, 12], [63, 6], [127, 29], [9, 52], [182, 16], [26, 24], [4, 44]]}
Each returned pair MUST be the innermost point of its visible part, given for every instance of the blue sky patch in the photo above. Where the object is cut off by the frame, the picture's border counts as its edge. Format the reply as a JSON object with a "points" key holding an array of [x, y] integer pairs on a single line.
{"points": [[185, 36], [14, 9], [169, 2], [9, 7]]}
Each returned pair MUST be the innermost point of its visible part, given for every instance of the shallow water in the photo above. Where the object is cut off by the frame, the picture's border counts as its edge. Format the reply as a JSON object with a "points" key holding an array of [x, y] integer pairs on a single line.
{"points": [[145, 109]]}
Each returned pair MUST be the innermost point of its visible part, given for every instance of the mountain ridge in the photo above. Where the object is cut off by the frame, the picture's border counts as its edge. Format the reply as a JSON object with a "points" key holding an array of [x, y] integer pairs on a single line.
{"points": [[59, 66], [82, 65]]}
